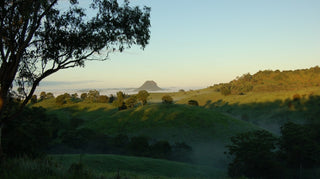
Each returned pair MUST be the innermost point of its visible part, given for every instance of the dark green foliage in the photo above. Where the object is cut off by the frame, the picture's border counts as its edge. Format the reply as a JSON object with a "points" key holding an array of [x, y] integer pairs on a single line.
{"points": [[40, 39], [75, 122], [139, 146], [77, 138], [193, 103], [131, 101], [84, 96], [43, 95], [103, 99], [253, 155], [74, 96], [121, 141], [60, 100], [296, 155], [299, 146], [120, 96], [93, 96], [166, 99], [34, 99], [296, 97], [269, 80], [225, 89], [63, 99], [111, 98], [122, 106], [161, 149], [143, 96], [30, 133], [120, 101]]}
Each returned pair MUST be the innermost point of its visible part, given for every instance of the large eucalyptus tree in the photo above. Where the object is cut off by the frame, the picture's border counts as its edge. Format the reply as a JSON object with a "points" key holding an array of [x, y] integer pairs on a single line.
{"points": [[38, 38]]}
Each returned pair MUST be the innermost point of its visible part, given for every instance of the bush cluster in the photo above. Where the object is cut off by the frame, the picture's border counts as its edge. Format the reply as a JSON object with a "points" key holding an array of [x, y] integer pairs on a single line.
{"points": [[259, 154]]}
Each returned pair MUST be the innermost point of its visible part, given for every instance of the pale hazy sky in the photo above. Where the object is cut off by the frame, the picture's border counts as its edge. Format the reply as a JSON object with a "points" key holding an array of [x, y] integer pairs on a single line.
{"points": [[200, 43]]}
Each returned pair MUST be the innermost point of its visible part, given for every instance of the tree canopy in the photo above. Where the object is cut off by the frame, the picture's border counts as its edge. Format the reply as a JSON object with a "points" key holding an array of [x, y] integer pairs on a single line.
{"points": [[143, 96], [39, 39]]}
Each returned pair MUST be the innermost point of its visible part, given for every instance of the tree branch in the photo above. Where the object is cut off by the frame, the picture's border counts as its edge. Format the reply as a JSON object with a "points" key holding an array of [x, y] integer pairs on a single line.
{"points": [[35, 84]]}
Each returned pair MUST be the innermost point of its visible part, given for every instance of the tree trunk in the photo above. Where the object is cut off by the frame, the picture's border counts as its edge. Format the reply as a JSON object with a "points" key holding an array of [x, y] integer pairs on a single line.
{"points": [[1, 151]]}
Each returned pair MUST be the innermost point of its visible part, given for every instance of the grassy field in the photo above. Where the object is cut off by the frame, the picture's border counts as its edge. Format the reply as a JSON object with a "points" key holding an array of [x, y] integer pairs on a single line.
{"points": [[205, 130], [209, 95], [139, 166], [85, 166]]}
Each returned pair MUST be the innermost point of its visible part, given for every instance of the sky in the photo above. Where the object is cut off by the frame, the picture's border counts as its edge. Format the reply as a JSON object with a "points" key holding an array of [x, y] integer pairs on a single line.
{"points": [[201, 43]]}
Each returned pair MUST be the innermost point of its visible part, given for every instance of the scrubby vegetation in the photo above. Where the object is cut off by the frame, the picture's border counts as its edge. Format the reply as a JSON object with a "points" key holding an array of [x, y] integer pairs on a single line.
{"points": [[270, 81]]}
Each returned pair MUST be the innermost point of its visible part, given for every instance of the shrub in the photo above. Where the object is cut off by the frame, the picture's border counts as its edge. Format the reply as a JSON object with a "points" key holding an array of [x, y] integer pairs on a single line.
{"points": [[143, 96], [166, 99], [29, 133], [296, 97], [84, 96], [93, 95], [111, 98], [103, 99], [161, 149], [193, 103], [139, 146], [60, 100], [225, 90], [131, 101], [34, 99], [43, 95]]}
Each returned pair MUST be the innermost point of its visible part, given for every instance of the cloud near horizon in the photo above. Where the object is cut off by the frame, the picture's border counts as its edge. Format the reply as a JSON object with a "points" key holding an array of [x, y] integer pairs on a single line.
{"points": [[57, 83]]}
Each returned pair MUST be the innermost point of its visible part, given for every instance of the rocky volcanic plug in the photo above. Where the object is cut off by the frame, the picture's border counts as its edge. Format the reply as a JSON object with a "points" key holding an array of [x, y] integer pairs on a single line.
{"points": [[149, 86]]}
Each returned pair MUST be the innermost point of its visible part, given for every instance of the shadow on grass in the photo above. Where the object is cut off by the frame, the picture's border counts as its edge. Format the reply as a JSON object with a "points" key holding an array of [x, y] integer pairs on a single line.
{"points": [[271, 115]]}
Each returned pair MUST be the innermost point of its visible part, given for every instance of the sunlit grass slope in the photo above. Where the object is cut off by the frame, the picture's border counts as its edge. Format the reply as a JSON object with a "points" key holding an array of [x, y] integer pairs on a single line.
{"points": [[209, 95], [139, 166], [173, 122], [168, 122]]}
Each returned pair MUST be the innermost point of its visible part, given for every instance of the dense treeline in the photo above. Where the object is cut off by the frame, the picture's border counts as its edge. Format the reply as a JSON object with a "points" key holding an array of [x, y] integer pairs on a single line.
{"points": [[121, 100], [269, 80], [259, 154]]}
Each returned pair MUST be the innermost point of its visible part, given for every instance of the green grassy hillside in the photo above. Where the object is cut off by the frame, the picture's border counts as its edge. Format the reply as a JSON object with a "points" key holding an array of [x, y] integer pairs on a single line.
{"points": [[137, 167], [207, 131], [169, 122], [176, 122], [266, 109]]}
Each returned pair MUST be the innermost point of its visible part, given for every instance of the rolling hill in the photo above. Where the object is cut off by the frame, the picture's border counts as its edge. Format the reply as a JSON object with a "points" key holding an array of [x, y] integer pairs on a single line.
{"points": [[207, 131], [137, 167]]}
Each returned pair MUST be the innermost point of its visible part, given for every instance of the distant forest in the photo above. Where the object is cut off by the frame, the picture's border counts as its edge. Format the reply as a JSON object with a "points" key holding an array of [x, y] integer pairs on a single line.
{"points": [[270, 81]]}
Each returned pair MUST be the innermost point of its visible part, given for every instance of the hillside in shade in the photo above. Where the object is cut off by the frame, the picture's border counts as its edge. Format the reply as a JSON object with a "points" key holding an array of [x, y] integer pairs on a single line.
{"points": [[149, 86]]}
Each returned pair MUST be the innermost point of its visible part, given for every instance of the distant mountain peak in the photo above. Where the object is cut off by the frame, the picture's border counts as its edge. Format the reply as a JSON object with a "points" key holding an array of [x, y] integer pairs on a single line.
{"points": [[149, 86]]}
